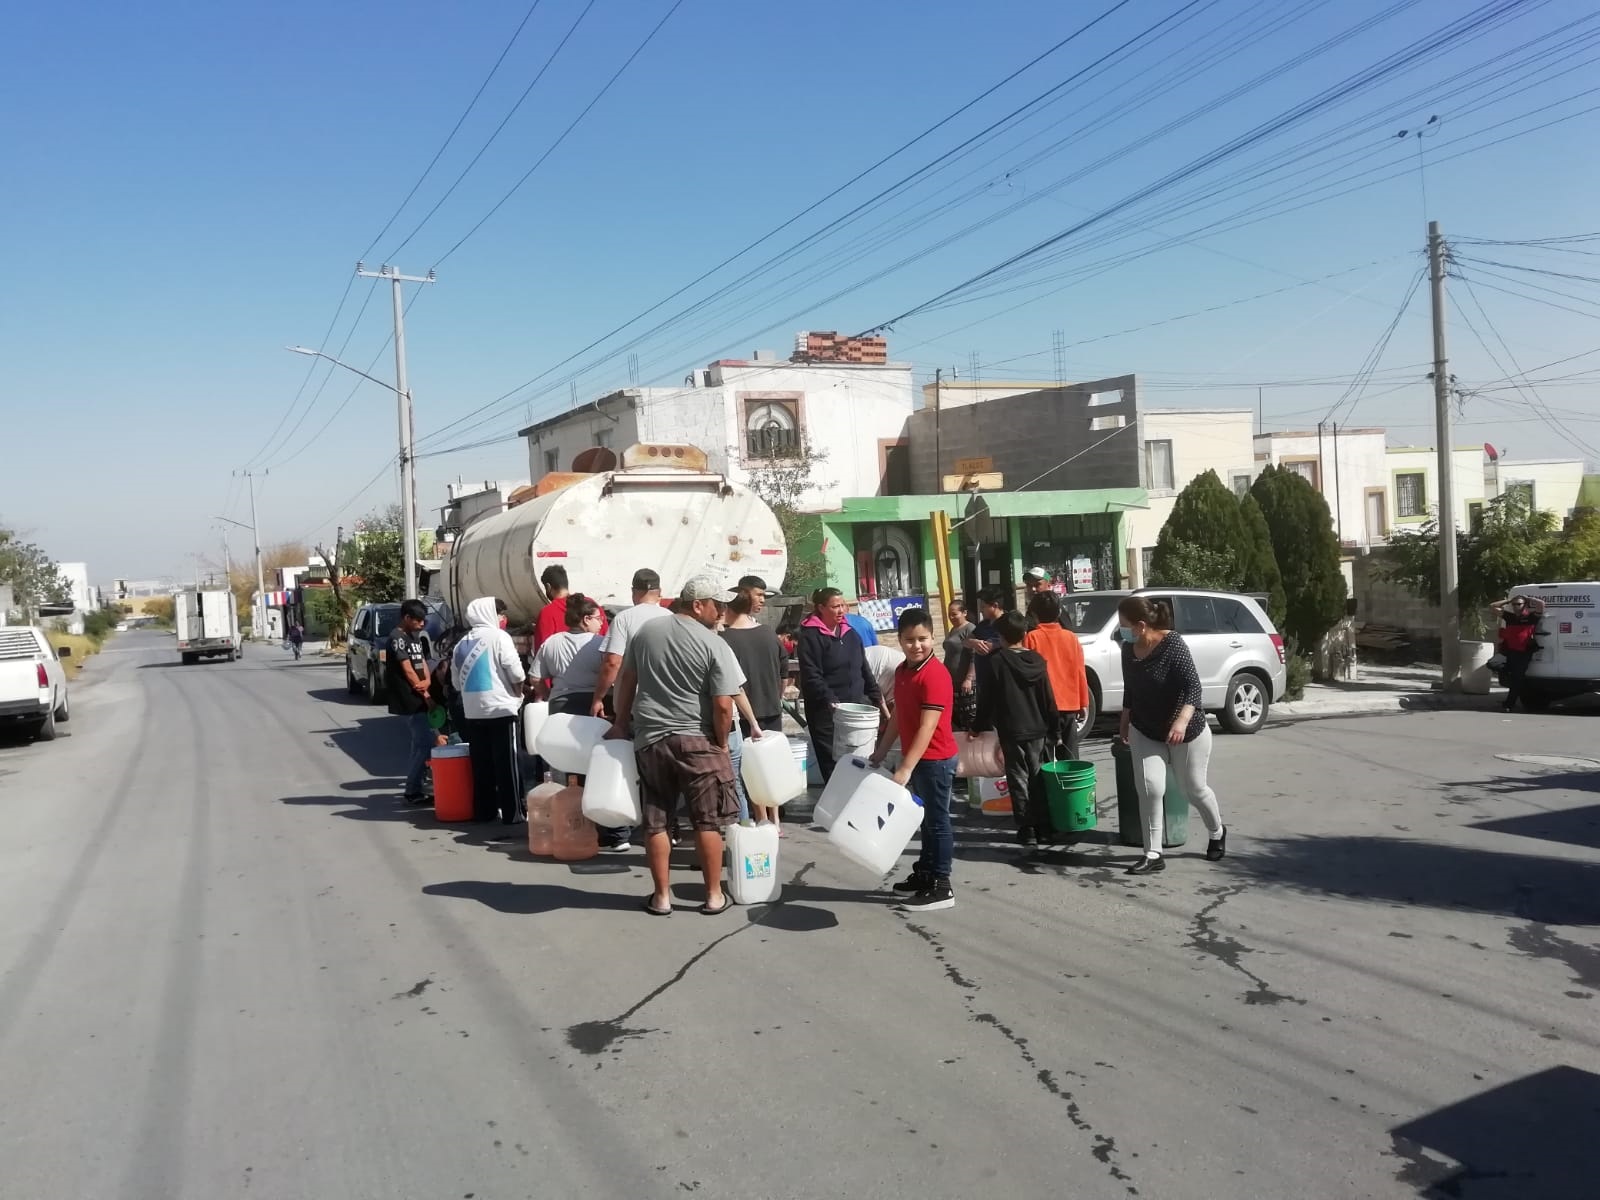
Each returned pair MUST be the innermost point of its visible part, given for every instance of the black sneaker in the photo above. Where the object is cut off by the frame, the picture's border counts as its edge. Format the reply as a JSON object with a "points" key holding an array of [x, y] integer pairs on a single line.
{"points": [[1147, 865], [1027, 839], [914, 883], [937, 895]]}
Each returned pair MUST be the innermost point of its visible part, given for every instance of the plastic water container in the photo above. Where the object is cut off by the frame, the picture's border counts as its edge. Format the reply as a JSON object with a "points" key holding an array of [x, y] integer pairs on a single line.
{"points": [[541, 822], [980, 757], [611, 785], [452, 783], [574, 836], [753, 863], [813, 767], [855, 729], [847, 776], [770, 773], [534, 713], [566, 740], [877, 824]]}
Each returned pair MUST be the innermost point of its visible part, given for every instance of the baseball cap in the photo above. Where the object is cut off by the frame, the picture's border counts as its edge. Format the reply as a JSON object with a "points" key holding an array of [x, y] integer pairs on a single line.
{"points": [[1036, 573], [704, 587], [646, 580]]}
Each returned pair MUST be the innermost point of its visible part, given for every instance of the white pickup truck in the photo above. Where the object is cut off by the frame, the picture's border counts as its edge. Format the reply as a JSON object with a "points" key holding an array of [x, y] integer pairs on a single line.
{"points": [[33, 687]]}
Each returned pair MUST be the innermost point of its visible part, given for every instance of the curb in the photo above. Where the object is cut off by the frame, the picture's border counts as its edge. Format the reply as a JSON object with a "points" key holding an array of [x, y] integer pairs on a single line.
{"points": [[1397, 702]]}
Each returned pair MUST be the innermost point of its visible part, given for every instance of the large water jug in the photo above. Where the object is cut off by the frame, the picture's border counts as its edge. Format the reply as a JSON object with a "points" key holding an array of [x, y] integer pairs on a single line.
{"points": [[611, 785], [566, 740], [770, 773], [877, 824], [574, 835], [753, 864], [541, 820], [979, 757], [847, 776], [534, 713]]}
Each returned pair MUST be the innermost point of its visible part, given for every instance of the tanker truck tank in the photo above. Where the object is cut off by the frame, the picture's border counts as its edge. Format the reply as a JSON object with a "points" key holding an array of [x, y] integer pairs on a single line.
{"points": [[661, 508]]}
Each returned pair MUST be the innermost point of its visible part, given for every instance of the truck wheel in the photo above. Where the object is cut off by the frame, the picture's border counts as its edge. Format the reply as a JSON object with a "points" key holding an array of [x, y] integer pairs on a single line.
{"points": [[189, 660], [350, 684], [1244, 705], [45, 730], [61, 713]]}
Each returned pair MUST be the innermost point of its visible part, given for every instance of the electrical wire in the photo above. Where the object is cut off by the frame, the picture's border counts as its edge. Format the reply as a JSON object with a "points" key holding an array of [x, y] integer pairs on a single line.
{"points": [[1352, 395]]}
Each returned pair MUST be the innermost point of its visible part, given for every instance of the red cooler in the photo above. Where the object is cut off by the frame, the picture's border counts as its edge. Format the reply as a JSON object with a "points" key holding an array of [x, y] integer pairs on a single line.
{"points": [[452, 783]]}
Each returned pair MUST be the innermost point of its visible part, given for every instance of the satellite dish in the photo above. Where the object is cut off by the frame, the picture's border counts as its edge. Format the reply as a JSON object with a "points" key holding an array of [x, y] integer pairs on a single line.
{"points": [[1494, 455]]}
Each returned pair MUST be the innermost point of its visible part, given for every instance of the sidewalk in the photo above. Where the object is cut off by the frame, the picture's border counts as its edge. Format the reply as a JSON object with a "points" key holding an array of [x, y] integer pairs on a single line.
{"points": [[1379, 689]]}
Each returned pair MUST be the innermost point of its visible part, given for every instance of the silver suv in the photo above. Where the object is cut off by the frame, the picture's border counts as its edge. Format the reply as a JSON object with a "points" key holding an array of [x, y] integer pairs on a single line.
{"points": [[1239, 655]]}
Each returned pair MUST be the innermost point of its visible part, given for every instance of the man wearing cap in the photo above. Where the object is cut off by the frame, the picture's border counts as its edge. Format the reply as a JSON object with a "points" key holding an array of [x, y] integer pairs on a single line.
{"points": [[674, 697], [646, 608], [1034, 580]]}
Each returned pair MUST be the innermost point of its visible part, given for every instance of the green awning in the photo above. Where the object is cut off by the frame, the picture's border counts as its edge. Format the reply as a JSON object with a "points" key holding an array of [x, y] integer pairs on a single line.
{"points": [[1063, 504]]}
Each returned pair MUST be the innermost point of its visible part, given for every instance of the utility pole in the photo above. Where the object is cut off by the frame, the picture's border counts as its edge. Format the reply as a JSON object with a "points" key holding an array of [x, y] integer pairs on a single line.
{"points": [[408, 494], [938, 416], [1449, 584], [258, 611]]}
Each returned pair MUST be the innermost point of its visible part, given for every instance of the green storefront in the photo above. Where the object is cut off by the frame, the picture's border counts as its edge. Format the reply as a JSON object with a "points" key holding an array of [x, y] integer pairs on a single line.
{"points": [[881, 548]]}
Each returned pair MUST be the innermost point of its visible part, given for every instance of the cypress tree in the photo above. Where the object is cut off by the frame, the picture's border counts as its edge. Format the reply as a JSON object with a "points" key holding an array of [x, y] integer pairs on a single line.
{"points": [[1261, 572], [1203, 543], [1307, 552]]}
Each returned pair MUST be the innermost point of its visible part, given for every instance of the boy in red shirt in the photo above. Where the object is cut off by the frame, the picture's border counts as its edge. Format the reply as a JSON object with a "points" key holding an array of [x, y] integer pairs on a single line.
{"points": [[923, 700]]}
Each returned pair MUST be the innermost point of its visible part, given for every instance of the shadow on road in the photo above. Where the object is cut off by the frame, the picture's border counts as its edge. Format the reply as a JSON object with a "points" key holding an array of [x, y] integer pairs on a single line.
{"points": [[1573, 826], [531, 899], [338, 695], [1526, 1140], [1550, 891], [379, 745]]}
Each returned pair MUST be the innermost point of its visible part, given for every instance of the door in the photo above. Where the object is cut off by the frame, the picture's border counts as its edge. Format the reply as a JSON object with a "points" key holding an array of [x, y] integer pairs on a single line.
{"points": [[1212, 649], [1377, 517], [360, 649]]}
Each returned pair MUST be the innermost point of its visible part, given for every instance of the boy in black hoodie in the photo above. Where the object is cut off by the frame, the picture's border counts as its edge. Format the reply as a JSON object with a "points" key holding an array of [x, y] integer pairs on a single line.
{"points": [[1020, 707]]}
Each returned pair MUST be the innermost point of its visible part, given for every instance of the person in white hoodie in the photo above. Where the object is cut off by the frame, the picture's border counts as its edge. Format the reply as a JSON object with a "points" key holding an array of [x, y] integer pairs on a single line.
{"points": [[488, 675]]}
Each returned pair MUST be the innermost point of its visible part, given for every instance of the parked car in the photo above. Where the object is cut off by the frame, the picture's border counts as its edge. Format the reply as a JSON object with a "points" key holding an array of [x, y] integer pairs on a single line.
{"points": [[365, 655], [33, 687], [1237, 651]]}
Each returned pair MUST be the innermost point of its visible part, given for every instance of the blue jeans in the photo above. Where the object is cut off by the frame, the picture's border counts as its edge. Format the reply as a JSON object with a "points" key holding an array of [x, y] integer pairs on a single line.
{"points": [[736, 753], [931, 783], [421, 735]]}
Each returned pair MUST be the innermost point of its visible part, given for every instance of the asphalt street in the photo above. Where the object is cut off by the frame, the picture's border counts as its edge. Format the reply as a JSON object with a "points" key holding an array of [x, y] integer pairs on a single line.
{"points": [[233, 965]]}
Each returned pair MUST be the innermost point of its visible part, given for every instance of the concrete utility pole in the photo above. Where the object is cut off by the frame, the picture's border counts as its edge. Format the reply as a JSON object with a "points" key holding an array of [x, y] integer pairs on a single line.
{"points": [[408, 494], [1449, 583], [258, 611]]}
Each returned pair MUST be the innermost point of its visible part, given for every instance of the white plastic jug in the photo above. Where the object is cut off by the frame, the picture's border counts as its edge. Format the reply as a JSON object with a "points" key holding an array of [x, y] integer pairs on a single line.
{"points": [[566, 740], [855, 729], [980, 757], [753, 864], [847, 776], [877, 824], [611, 786], [770, 773], [534, 713]]}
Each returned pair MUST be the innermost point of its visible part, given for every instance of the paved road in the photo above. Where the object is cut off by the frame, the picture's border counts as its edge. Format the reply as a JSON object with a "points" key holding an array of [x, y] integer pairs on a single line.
{"points": [[232, 966]]}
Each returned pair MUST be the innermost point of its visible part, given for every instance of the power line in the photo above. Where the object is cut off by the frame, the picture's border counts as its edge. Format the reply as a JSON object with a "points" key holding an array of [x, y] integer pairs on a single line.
{"points": [[1358, 385], [306, 379]]}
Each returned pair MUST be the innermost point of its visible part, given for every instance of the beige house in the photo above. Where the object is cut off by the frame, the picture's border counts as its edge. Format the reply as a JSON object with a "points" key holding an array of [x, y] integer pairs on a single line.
{"points": [[1179, 445]]}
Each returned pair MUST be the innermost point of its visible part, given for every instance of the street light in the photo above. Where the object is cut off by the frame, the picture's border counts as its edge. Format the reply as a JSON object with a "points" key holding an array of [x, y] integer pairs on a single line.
{"points": [[408, 507]]}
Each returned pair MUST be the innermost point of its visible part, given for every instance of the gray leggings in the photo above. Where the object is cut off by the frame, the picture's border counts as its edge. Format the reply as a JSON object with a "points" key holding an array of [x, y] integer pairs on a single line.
{"points": [[1151, 760]]}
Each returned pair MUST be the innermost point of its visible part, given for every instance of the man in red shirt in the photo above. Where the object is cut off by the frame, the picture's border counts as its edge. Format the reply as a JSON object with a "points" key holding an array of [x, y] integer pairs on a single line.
{"points": [[552, 617], [924, 697]]}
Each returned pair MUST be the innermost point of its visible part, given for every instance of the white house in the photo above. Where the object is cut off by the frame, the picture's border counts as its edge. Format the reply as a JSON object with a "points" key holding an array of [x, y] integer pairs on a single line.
{"points": [[1551, 484], [1179, 446], [849, 416], [468, 502], [1350, 470]]}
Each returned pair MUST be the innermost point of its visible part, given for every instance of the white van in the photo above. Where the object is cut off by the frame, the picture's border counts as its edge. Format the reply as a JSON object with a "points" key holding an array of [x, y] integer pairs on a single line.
{"points": [[1567, 663]]}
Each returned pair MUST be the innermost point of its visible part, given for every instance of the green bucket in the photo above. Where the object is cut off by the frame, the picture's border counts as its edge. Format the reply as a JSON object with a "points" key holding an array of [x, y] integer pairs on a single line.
{"points": [[1069, 789]]}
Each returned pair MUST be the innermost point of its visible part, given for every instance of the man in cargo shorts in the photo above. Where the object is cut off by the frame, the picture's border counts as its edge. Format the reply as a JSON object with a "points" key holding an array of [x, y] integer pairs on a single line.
{"points": [[674, 696]]}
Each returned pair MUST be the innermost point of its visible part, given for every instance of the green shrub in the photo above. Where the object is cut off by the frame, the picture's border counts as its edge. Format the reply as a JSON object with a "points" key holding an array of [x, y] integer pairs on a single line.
{"points": [[1299, 671]]}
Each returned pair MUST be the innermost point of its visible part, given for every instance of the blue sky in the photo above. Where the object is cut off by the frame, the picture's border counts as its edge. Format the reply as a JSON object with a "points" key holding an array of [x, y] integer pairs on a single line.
{"points": [[188, 187]]}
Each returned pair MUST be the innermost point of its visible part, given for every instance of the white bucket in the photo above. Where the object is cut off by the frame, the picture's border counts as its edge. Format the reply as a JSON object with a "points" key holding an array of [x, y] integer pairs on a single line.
{"points": [[855, 729], [980, 757], [534, 713], [566, 740], [753, 863], [847, 776], [770, 773], [611, 785], [877, 824]]}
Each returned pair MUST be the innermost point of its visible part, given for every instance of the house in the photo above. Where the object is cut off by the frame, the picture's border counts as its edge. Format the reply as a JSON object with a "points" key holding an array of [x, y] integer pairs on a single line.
{"points": [[1552, 484], [1350, 467], [836, 405], [469, 502], [1180, 445]]}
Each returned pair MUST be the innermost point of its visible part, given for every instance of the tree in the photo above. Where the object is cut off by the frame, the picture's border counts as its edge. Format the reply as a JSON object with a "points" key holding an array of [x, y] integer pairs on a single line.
{"points": [[1261, 572], [336, 613], [782, 481], [375, 559], [1307, 553], [1203, 543], [31, 574]]}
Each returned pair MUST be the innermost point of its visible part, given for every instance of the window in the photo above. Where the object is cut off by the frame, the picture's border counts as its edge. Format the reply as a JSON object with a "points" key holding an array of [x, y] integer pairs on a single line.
{"points": [[1108, 421], [1240, 481], [602, 437], [888, 562], [1411, 494], [552, 460], [1195, 614], [1475, 516], [1146, 557], [1306, 468], [1233, 616], [1158, 465], [772, 427], [1114, 396], [1523, 490]]}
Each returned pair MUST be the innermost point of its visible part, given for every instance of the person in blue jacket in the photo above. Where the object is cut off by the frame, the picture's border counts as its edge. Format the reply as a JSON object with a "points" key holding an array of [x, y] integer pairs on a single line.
{"points": [[833, 671]]}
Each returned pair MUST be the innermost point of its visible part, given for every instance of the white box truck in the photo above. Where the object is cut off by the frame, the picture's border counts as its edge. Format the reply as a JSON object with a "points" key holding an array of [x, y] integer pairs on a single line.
{"points": [[208, 624]]}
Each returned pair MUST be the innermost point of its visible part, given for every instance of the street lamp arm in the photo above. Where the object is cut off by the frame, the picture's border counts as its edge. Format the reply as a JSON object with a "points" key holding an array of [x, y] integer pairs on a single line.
{"points": [[231, 521], [319, 354]]}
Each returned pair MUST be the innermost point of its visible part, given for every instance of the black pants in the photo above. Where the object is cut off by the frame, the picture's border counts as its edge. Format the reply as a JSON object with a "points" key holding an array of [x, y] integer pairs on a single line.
{"points": [[1071, 738], [1516, 670], [819, 723], [495, 786], [1028, 807]]}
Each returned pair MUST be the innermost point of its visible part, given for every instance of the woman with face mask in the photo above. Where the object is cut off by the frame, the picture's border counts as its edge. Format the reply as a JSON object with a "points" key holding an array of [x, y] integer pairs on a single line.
{"points": [[1163, 724]]}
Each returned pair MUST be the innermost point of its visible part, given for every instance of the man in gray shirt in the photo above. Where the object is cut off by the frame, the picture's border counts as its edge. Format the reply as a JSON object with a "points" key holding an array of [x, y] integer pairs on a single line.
{"points": [[674, 696]]}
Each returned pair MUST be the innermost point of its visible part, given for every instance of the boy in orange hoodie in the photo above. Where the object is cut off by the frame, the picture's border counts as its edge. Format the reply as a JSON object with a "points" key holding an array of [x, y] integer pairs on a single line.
{"points": [[1063, 655]]}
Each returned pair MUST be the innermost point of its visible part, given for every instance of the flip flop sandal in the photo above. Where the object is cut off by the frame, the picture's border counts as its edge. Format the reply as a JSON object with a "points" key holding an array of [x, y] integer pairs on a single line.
{"points": [[653, 910], [707, 911]]}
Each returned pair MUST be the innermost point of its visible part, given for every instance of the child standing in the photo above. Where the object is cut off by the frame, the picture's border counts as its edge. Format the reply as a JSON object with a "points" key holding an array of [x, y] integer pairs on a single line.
{"points": [[1020, 707], [923, 699]]}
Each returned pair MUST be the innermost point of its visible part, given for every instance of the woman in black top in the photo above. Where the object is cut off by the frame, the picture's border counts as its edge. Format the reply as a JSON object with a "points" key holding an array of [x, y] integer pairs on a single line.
{"points": [[1164, 725], [833, 671]]}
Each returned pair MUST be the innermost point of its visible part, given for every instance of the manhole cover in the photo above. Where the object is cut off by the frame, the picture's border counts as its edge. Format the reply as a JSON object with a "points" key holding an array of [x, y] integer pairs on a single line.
{"points": [[1552, 760]]}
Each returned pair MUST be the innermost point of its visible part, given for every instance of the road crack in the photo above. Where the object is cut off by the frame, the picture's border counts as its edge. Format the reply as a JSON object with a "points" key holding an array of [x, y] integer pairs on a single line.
{"points": [[1203, 936]]}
